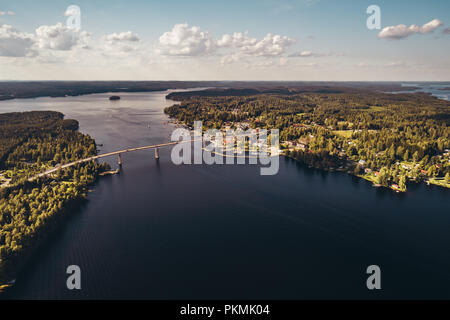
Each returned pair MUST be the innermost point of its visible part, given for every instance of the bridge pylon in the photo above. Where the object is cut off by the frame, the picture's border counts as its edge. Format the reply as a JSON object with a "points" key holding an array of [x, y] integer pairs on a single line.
{"points": [[156, 153], [119, 160]]}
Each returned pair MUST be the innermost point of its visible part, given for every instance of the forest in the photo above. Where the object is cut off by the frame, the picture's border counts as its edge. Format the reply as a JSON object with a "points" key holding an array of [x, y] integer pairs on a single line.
{"points": [[33, 89], [388, 139], [30, 212]]}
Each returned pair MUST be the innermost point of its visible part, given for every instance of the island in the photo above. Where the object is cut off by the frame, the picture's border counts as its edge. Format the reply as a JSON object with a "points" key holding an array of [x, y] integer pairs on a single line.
{"points": [[388, 139], [113, 98], [32, 209]]}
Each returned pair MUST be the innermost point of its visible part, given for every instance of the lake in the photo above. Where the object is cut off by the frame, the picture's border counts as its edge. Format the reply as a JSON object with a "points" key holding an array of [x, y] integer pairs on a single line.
{"points": [[161, 231]]}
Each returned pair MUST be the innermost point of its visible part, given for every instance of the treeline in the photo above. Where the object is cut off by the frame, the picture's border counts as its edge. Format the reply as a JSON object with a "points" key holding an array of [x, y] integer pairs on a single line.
{"points": [[287, 88]]}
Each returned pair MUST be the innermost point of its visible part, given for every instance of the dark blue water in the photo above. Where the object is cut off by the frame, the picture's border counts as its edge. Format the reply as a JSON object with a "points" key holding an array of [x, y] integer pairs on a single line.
{"points": [[160, 231]]}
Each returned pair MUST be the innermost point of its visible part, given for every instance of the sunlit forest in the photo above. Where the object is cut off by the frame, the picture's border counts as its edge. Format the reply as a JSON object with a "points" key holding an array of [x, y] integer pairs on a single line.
{"points": [[30, 211], [389, 139]]}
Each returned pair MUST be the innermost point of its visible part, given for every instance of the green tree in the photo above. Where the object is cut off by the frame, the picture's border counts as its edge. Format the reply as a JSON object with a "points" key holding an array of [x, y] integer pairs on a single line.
{"points": [[406, 155], [402, 183]]}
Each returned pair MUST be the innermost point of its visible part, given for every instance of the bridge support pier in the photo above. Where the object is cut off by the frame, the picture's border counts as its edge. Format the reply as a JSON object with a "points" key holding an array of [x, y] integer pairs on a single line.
{"points": [[156, 153], [119, 160]]}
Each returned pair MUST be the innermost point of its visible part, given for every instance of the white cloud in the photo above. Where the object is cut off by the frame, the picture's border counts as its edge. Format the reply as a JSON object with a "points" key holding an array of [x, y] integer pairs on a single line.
{"points": [[271, 45], [386, 65], [312, 54], [396, 64], [9, 13], [305, 54], [120, 45], [122, 36], [237, 40], [402, 31], [183, 40], [231, 58], [14, 43], [59, 37]]}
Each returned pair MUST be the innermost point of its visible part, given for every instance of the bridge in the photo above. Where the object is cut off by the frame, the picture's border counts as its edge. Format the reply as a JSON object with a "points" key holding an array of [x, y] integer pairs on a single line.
{"points": [[119, 152]]}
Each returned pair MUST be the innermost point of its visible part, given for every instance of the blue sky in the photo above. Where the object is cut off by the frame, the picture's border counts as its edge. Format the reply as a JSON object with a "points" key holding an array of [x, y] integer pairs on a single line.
{"points": [[319, 40]]}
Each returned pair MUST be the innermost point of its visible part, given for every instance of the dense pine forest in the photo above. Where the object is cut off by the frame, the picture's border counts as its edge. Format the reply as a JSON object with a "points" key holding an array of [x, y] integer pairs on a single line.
{"points": [[389, 139], [30, 143]]}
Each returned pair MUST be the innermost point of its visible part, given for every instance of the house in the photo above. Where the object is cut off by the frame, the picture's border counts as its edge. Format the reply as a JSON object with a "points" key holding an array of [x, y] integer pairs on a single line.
{"points": [[290, 143], [243, 125], [424, 172], [367, 170], [438, 165], [228, 141], [376, 173], [362, 162]]}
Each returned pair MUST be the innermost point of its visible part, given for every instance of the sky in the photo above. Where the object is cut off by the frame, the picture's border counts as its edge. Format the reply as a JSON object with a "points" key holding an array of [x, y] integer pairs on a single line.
{"points": [[310, 40]]}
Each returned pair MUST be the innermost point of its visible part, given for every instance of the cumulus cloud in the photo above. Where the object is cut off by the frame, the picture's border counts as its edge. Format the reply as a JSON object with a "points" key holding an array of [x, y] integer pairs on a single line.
{"points": [[14, 43], [183, 40], [122, 36], [120, 44], [237, 40], [402, 31], [59, 37], [270, 45]]}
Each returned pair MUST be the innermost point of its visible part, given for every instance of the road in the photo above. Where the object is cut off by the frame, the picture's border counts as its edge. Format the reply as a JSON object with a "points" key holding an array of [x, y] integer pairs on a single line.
{"points": [[70, 164]]}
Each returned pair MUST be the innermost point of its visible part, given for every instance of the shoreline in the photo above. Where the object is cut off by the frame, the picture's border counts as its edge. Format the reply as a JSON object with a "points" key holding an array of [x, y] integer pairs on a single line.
{"points": [[69, 88], [71, 194]]}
